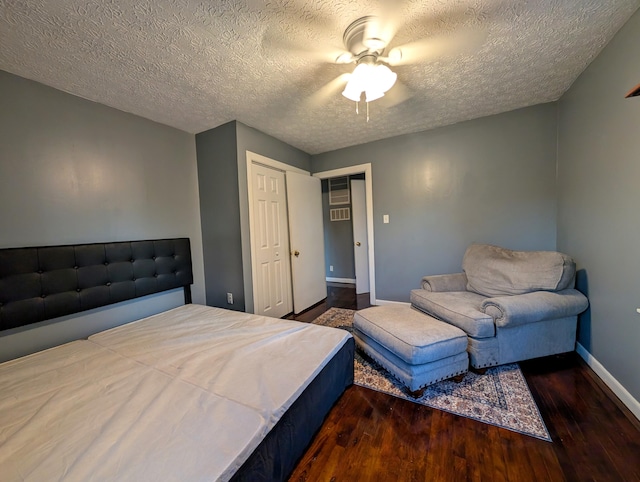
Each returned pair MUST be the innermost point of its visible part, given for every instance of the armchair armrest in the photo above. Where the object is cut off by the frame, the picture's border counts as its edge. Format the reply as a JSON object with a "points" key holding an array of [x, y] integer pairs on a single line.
{"points": [[445, 282], [532, 307]]}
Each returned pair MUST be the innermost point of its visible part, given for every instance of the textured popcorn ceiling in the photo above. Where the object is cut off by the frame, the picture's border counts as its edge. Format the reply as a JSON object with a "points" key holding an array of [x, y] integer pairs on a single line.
{"points": [[195, 65]]}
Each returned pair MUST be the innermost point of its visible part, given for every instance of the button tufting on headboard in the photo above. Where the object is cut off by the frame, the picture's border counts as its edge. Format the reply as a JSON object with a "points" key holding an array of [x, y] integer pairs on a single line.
{"points": [[40, 283]]}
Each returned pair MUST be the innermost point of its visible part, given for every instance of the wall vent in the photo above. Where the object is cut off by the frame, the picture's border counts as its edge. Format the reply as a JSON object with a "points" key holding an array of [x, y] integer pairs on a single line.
{"points": [[340, 214], [339, 191]]}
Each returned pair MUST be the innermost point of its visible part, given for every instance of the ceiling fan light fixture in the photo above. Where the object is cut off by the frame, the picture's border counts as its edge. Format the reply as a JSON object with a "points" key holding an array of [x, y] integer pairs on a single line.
{"points": [[361, 74], [352, 93], [373, 94], [382, 77], [357, 83], [372, 79]]}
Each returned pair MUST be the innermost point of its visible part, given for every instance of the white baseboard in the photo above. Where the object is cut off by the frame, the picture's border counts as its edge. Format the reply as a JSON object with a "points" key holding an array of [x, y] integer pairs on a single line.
{"points": [[386, 302], [615, 386], [341, 280]]}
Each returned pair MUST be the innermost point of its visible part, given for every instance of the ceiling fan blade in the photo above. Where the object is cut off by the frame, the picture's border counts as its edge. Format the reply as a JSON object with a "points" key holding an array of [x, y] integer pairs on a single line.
{"points": [[327, 92], [308, 31], [398, 94], [432, 48], [390, 18], [273, 45]]}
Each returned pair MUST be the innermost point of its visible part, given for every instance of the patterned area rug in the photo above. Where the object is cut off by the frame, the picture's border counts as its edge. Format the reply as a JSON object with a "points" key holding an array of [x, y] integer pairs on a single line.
{"points": [[498, 397]]}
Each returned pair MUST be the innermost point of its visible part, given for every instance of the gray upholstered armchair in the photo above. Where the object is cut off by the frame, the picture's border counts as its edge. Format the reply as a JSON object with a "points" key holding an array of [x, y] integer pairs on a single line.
{"points": [[513, 305]]}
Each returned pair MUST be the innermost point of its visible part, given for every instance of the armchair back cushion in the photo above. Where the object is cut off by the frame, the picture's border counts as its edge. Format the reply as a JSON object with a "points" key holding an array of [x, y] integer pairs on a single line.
{"points": [[495, 271]]}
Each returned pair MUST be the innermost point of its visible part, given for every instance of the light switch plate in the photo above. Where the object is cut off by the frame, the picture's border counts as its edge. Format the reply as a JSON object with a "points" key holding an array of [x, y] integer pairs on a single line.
{"points": [[385, 219]]}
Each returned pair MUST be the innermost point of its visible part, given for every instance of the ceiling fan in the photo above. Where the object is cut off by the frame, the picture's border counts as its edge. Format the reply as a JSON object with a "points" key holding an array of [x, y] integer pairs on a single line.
{"points": [[369, 43], [366, 41], [365, 46]]}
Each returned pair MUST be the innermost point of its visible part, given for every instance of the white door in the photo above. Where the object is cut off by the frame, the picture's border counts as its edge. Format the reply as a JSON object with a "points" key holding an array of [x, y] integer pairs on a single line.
{"points": [[304, 196], [361, 246], [270, 242]]}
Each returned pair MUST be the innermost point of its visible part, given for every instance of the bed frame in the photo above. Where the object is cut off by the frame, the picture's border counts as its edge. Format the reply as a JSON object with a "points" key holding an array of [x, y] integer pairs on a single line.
{"points": [[41, 283]]}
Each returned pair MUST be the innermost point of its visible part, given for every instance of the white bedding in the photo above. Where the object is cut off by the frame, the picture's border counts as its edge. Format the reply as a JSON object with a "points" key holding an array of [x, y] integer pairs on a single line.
{"points": [[81, 412], [261, 362], [184, 395]]}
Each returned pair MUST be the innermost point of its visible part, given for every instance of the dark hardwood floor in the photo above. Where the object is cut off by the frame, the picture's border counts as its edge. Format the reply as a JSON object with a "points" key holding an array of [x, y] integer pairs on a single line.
{"points": [[339, 295], [371, 436]]}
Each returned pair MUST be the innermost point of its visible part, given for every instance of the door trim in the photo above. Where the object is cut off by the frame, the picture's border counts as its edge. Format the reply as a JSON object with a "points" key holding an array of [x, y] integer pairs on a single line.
{"points": [[368, 188], [251, 158], [272, 163]]}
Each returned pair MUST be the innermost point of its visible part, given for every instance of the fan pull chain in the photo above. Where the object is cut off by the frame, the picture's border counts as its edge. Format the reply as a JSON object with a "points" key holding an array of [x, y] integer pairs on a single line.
{"points": [[358, 109]]}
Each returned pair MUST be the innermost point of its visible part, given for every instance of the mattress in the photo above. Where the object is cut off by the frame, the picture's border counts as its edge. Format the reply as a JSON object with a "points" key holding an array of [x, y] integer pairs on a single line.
{"points": [[188, 394], [261, 362], [81, 412]]}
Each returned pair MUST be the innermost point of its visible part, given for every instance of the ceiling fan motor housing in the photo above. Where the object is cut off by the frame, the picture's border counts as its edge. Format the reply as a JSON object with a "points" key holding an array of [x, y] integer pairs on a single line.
{"points": [[360, 39]]}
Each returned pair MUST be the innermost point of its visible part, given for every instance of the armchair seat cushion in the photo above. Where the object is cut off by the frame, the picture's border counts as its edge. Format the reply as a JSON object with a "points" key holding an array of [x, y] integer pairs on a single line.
{"points": [[459, 308]]}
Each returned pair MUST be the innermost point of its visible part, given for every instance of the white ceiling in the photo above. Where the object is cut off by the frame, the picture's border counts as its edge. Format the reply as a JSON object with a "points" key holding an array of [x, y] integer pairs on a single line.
{"points": [[195, 64]]}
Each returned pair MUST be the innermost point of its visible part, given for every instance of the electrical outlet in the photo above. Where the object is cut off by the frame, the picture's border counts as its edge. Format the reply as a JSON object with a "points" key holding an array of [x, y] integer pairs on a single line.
{"points": [[230, 298], [330, 268]]}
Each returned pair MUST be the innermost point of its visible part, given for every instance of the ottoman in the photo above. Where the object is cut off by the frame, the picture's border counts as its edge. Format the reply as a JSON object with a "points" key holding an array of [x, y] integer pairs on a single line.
{"points": [[414, 347]]}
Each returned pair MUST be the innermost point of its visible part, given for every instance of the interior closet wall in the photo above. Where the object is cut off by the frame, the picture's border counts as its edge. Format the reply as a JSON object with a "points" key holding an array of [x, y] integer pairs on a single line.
{"points": [[224, 208]]}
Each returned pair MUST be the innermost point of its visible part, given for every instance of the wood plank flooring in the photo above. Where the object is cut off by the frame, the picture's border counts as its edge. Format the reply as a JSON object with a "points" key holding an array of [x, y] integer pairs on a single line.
{"points": [[371, 436]]}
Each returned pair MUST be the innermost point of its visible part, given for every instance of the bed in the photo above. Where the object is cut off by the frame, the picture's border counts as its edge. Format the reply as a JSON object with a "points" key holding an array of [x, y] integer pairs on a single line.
{"points": [[193, 393]]}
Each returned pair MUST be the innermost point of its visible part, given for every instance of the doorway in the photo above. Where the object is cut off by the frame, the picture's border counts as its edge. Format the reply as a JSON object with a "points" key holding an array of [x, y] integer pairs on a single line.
{"points": [[366, 248], [285, 233]]}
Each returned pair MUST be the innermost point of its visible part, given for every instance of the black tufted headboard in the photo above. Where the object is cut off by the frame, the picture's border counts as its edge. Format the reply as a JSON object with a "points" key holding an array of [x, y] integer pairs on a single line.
{"points": [[41, 283]]}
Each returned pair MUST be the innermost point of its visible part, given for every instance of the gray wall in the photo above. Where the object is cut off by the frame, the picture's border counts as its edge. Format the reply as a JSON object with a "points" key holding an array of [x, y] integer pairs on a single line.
{"points": [[222, 172], [489, 180], [598, 201], [250, 139], [220, 215], [73, 171]]}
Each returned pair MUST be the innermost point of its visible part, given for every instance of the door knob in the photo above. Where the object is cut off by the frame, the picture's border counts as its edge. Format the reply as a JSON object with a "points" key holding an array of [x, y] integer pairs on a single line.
{"points": [[296, 253], [357, 243]]}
